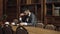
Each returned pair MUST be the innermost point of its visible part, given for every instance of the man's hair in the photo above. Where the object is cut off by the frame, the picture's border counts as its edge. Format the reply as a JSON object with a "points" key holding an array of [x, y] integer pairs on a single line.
{"points": [[25, 9]]}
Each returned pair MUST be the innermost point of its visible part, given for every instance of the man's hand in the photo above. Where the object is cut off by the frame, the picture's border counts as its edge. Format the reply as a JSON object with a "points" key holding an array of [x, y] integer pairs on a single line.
{"points": [[22, 14], [23, 23]]}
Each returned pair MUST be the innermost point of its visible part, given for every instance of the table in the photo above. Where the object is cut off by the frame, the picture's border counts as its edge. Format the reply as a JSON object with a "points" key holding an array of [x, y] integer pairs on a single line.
{"points": [[36, 30]]}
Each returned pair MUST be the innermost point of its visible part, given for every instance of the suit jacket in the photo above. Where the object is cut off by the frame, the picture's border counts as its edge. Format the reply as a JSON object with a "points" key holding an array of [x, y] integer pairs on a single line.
{"points": [[32, 19]]}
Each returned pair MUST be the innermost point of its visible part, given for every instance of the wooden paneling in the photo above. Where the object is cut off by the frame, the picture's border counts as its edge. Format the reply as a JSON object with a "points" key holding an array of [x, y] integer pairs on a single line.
{"points": [[52, 18], [1, 8], [11, 10]]}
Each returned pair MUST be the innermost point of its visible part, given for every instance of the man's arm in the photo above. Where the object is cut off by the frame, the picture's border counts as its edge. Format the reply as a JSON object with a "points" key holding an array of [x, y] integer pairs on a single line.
{"points": [[34, 20]]}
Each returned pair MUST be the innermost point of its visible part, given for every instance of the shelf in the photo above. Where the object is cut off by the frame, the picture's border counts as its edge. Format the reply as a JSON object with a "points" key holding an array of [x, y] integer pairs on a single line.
{"points": [[31, 4]]}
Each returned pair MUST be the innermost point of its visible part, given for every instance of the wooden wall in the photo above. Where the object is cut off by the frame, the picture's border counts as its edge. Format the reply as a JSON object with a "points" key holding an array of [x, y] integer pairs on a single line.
{"points": [[1, 8]]}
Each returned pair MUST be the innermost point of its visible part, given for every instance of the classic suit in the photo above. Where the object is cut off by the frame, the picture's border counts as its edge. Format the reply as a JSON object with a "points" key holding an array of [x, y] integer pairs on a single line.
{"points": [[32, 19]]}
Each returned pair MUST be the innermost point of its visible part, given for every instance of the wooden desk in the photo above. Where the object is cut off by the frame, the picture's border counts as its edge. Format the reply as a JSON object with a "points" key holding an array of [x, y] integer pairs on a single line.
{"points": [[35, 30]]}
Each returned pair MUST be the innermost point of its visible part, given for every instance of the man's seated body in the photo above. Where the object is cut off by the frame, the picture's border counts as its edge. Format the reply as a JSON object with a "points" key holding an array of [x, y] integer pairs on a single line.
{"points": [[28, 18]]}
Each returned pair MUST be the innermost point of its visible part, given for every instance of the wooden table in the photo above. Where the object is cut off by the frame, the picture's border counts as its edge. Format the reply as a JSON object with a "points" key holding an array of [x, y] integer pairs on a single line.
{"points": [[36, 30]]}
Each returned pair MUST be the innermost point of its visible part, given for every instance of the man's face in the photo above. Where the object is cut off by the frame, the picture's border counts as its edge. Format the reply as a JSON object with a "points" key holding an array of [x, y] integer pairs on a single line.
{"points": [[26, 12]]}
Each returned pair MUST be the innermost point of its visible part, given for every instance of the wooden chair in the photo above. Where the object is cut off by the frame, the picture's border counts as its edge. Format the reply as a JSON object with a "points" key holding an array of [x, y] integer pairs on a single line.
{"points": [[7, 29], [41, 25], [1, 30], [50, 26], [21, 30]]}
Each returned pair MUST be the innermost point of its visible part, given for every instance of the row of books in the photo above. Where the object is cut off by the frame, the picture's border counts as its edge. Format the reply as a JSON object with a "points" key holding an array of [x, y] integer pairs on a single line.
{"points": [[56, 11], [30, 1]]}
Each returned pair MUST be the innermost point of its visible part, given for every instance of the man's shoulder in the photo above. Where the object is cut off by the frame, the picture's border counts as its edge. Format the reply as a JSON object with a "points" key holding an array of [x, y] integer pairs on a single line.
{"points": [[32, 14]]}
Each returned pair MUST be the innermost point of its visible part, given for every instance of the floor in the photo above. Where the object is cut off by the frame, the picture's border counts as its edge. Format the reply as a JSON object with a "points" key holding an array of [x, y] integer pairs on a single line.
{"points": [[36, 30]]}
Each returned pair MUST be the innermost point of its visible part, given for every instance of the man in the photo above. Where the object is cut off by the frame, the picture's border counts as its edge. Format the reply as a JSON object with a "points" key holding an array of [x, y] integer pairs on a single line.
{"points": [[22, 17], [31, 18]]}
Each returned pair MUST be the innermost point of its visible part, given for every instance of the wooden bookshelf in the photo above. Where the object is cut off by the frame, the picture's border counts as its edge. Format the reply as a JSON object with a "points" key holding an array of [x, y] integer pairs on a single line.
{"points": [[52, 16], [10, 9]]}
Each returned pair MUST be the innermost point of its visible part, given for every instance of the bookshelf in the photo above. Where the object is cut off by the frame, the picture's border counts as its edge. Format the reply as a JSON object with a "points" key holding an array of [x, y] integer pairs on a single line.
{"points": [[27, 2], [51, 5], [10, 9], [49, 9], [52, 12]]}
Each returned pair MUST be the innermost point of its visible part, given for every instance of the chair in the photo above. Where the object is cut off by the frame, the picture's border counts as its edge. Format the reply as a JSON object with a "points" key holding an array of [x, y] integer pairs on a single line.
{"points": [[41, 25], [50, 26], [7, 29], [59, 28], [21, 30], [1, 30]]}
